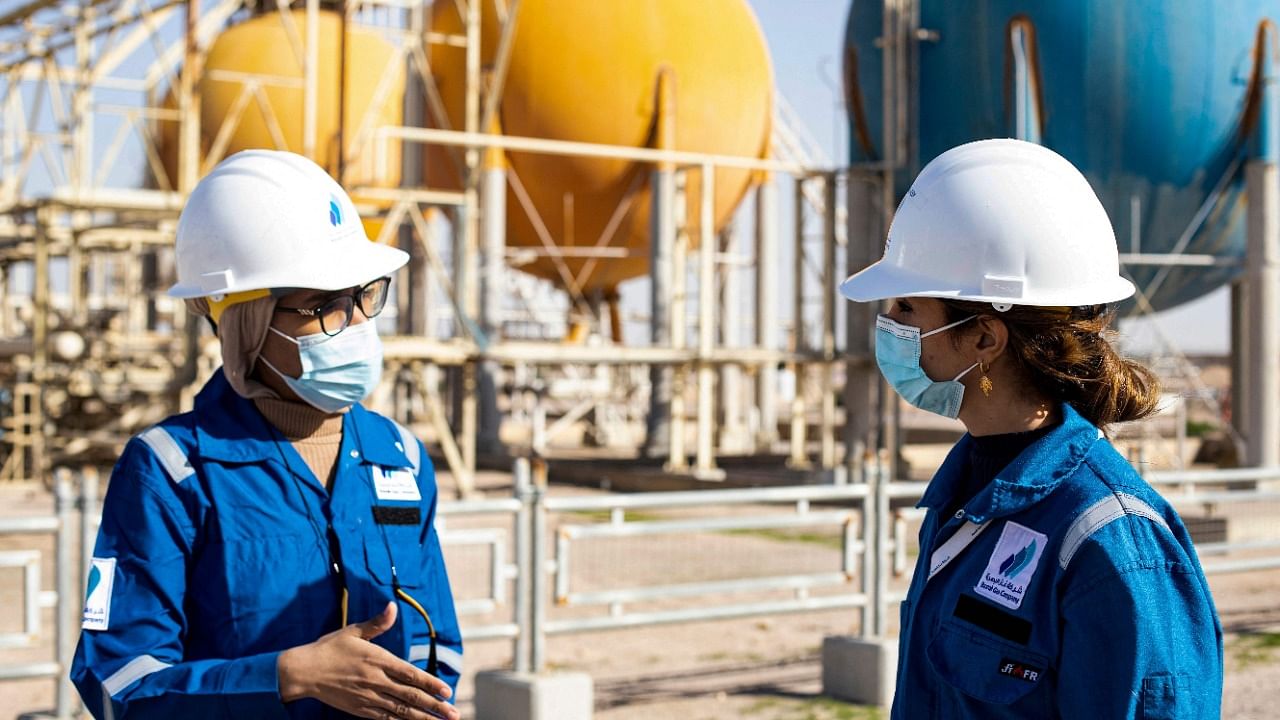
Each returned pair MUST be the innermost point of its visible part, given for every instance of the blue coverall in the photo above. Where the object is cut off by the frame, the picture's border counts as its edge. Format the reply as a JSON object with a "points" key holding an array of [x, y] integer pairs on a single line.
{"points": [[1081, 598], [215, 554]]}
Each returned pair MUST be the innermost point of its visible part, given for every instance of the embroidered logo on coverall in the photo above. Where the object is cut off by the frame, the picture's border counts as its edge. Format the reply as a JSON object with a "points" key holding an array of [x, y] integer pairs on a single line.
{"points": [[97, 603], [1011, 566]]}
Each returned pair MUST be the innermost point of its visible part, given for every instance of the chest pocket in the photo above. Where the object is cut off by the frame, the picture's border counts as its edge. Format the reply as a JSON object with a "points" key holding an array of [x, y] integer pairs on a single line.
{"points": [[427, 630], [986, 670], [400, 558], [394, 552], [396, 528], [260, 579]]}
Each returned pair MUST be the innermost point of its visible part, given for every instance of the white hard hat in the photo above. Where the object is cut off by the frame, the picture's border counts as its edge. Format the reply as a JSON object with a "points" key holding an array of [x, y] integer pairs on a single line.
{"points": [[1001, 221], [265, 219]]}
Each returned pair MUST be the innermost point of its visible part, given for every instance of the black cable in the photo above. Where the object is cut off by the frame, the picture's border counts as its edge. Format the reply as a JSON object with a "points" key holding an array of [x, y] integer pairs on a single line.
{"points": [[433, 665]]}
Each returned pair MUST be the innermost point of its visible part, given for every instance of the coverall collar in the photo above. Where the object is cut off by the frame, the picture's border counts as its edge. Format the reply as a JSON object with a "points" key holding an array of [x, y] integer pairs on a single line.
{"points": [[1027, 480], [229, 428]]}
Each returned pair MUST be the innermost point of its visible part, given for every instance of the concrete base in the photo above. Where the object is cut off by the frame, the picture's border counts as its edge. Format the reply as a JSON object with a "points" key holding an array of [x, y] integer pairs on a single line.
{"points": [[858, 670], [502, 695]]}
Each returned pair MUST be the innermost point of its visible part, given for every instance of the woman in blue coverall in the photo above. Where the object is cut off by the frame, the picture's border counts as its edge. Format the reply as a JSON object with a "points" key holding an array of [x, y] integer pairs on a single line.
{"points": [[1052, 581], [240, 540]]}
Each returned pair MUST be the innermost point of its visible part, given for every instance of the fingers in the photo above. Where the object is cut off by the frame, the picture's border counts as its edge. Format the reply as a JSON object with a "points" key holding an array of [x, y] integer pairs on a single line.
{"points": [[382, 713], [404, 704], [378, 624], [410, 676], [398, 673]]}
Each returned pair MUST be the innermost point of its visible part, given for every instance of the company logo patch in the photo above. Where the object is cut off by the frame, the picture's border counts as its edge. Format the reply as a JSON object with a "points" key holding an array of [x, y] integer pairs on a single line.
{"points": [[97, 603], [1012, 565], [1022, 671], [335, 212], [1017, 561]]}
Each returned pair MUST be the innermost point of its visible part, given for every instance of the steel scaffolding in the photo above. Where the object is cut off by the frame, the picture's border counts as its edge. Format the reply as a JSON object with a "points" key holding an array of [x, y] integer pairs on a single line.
{"points": [[93, 350]]}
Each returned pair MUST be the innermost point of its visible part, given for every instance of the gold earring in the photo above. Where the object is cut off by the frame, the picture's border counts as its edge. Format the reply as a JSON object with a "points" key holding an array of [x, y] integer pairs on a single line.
{"points": [[984, 382]]}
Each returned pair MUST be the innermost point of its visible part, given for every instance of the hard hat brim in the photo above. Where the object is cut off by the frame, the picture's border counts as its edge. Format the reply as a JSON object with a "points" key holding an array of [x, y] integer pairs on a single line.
{"points": [[346, 263], [883, 280]]}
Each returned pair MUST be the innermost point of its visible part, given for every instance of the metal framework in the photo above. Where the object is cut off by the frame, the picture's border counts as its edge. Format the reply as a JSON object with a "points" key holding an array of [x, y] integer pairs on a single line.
{"points": [[93, 351]]}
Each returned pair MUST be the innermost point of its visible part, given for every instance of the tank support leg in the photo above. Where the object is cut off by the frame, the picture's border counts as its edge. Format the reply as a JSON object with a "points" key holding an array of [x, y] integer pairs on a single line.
{"points": [[767, 312], [662, 239], [1262, 178], [493, 225], [861, 379], [733, 429]]}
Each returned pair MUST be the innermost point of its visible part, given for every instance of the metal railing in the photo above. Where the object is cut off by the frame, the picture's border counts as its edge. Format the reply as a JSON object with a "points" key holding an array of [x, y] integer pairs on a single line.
{"points": [[75, 518], [541, 569], [855, 548], [1206, 489], [535, 538], [1211, 489]]}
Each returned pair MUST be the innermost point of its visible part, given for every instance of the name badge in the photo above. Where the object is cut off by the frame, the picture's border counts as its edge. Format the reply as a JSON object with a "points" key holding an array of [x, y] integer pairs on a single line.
{"points": [[395, 485]]}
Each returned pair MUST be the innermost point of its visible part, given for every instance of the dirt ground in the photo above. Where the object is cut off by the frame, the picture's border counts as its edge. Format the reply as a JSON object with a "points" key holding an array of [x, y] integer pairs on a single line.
{"points": [[765, 668]]}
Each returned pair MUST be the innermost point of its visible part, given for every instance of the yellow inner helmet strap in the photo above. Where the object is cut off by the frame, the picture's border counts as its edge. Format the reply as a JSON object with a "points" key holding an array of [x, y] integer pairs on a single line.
{"points": [[217, 307]]}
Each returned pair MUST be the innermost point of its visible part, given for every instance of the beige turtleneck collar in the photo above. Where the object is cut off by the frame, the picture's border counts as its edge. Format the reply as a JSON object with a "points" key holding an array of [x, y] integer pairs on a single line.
{"points": [[315, 434]]}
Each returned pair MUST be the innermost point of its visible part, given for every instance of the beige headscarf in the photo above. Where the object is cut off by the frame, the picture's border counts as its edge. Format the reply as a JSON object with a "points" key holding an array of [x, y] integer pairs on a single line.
{"points": [[241, 332]]}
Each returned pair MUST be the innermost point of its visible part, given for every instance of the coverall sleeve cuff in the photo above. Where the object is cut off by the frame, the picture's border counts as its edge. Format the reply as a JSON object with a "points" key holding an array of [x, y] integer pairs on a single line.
{"points": [[256, 683]]}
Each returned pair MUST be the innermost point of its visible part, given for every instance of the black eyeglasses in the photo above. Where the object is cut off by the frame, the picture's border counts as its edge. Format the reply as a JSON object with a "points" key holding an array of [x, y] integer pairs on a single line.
{"points": [[336, 310]]}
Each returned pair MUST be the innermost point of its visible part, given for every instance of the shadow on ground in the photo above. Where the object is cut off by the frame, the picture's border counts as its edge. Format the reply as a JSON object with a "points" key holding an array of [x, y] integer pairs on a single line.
{"points": [[780, 688]]}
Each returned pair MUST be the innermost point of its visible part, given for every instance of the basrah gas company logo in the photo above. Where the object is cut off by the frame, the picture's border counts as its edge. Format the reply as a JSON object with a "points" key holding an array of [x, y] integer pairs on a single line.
{"points": [[335, 211], [1012, 565], [97, 603]]}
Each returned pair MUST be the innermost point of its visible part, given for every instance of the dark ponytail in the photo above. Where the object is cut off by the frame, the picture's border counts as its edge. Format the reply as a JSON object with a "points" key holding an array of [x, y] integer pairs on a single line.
{"points": [[1065, 354]]}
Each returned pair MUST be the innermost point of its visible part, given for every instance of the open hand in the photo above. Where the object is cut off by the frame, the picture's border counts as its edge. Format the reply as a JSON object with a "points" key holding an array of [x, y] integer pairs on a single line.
{"points": [[346, 671]]}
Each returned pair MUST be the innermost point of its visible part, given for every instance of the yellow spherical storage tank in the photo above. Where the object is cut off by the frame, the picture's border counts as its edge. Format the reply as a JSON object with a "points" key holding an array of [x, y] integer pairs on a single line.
{"points": [[260, 49], [587, 70]]}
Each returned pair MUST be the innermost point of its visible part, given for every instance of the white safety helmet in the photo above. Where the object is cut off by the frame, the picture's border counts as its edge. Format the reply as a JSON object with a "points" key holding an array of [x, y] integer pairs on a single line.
{"points": [[1001, 221], [266, 219]]}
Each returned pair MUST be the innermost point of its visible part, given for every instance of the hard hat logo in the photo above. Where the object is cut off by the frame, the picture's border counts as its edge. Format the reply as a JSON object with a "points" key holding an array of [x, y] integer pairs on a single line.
{"points": [[335, 212]]}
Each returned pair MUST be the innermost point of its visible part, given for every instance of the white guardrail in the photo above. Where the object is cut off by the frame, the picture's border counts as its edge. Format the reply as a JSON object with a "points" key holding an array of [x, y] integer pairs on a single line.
{"points": [[531, 548]]}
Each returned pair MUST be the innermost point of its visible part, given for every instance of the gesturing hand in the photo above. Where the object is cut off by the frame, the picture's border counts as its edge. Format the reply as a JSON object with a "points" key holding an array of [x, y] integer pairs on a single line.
{"points": [[346, 671]]}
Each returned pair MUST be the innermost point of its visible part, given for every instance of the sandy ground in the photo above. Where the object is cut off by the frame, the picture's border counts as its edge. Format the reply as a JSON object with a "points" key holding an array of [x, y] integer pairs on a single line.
{"points": [[759, 668]]}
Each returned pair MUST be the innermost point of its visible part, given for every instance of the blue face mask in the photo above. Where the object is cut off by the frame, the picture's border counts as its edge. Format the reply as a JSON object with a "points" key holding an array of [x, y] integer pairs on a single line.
{"points": [[898, 355], [337, 371]]}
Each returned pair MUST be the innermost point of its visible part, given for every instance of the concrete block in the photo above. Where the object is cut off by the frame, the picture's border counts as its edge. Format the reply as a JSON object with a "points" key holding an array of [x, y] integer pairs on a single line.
{"points": [[859, 670], [502, 695]]}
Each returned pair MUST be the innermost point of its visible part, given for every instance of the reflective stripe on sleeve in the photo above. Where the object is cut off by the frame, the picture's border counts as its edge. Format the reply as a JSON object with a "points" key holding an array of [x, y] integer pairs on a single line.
{"points": [[445, 655], [1098, 516], [132, 672], [168, 453]]}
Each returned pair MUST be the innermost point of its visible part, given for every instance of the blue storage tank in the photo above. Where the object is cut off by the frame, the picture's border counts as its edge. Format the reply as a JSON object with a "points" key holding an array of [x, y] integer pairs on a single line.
{"points": [[1150, 99]]}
